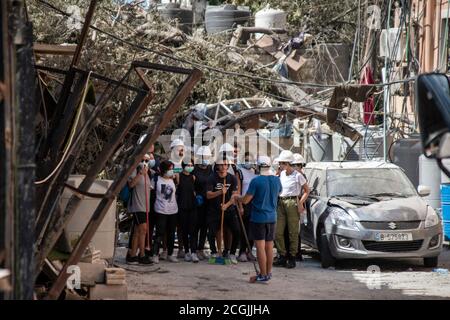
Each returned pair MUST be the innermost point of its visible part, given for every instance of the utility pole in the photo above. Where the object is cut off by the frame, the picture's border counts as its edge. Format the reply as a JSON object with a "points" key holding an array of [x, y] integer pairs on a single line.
{"points": [[17, 117]]}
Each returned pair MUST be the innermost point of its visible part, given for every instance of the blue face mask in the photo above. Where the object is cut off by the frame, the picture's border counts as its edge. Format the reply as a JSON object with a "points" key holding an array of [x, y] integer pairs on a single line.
{"points": [[206, 162], [151, 163]]}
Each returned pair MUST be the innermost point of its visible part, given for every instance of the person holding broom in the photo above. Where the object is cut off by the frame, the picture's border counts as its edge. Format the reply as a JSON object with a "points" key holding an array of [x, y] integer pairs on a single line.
{"points": [[263, 192], [221, 210]]}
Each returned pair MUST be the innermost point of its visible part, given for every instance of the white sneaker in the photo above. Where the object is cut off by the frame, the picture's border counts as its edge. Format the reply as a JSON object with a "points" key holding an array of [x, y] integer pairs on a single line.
{"points": [[188, 257], [214, 255], [233, 259], [195, 259], [172, 259], [180, 254], [163, 255], [155, 259], [206, 255], [242, 257]]}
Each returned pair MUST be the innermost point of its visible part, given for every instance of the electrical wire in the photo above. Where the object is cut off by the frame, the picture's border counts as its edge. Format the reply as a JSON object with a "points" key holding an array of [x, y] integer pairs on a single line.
{"points": [[214, 69], [72, 134]]}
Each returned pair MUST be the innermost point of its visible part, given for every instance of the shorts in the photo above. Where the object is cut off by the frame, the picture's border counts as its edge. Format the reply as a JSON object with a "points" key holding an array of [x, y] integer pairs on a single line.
{"points": [[261, 231], [139, 217]]}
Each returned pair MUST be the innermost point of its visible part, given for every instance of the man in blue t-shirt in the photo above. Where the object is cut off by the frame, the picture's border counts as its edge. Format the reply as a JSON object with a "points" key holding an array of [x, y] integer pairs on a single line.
{"points": [[263, 192]]}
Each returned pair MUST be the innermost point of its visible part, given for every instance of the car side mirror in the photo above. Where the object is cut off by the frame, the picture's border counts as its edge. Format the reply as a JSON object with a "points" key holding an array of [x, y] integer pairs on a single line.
{"points": [[433, 106], [424, 191]]}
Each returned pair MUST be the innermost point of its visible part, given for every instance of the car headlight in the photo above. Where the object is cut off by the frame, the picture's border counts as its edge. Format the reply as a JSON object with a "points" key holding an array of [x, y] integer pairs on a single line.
{"points": [[432, 218], [342, 219]]}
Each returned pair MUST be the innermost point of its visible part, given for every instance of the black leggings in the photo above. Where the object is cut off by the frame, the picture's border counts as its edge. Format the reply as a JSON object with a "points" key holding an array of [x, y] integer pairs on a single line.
{"points": [[165, 225], [188, 221], [202, 227], [230, 220], [246, 220]]}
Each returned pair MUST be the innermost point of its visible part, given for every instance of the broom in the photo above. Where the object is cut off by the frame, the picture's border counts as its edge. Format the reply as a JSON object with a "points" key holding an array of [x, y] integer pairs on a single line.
{"points": [[220, 259], [252, 278]]}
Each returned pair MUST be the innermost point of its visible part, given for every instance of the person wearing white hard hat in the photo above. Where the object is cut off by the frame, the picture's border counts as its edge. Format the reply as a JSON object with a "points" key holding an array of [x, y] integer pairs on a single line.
{"points": [[247, 169], [263, 193], [177, 149], [299, 163], [290, 207], [202, 172], [231, 152], [220, 188]]}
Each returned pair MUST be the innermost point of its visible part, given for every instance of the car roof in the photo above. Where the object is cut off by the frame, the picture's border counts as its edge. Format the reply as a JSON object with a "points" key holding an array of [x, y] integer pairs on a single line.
{"points": [[351, 165]]}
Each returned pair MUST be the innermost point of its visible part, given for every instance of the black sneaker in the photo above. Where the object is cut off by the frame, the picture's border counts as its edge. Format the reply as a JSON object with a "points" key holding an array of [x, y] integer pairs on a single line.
{"points": [[290, 263], [144, 260], [132, 260], [280, 262]]}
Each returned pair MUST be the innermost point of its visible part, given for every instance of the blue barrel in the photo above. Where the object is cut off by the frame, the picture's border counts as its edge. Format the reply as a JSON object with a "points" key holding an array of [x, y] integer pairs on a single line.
{"points": [[445, 203]]}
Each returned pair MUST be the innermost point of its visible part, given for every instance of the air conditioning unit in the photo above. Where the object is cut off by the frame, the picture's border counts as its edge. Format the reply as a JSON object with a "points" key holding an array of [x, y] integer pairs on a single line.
{"points": [[394, 47]]}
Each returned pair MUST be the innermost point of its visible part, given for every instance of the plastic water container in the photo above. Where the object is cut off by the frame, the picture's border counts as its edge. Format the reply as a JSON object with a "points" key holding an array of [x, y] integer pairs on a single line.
{"points": [[104, 238], [445, 203]]}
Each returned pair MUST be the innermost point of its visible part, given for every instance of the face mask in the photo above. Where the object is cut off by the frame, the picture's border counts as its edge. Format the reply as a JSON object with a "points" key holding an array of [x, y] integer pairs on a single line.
{"points": [[189, 169], [206, 162], [169, 173], [151, 163]]}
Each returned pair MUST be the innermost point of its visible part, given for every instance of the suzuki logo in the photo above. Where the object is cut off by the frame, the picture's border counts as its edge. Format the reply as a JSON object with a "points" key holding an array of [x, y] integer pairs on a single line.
{"points": [[392, 225]]}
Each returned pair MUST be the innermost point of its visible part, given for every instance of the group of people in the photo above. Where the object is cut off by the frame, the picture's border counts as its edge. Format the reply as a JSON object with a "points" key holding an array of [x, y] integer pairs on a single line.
{"points": [[222, 202]]}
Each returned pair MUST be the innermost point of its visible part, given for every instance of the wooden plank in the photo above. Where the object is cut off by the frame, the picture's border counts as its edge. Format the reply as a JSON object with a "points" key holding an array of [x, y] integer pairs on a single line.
{"points": [[54, 49], [153, 132]]}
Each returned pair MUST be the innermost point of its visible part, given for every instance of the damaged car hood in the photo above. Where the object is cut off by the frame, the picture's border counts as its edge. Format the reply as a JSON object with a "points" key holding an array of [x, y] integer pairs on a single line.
{"points": [[399, 209]]}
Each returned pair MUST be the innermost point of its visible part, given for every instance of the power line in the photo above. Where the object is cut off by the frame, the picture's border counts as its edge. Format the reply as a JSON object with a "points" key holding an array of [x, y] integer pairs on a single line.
{"points": [[213, 69]]}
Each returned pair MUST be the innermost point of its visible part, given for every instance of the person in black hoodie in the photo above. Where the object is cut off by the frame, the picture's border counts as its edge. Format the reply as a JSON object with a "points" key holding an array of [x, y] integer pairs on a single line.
{"points": [[202, 172], [187, 210]]}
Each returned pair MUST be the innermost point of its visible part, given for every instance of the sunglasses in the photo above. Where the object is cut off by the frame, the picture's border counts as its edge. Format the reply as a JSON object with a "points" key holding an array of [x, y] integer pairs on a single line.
{"points": [[145, 160]]}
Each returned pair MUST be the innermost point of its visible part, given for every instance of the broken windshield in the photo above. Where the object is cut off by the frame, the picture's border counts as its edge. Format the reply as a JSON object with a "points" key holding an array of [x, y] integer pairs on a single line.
{"points": [[369, 183]]}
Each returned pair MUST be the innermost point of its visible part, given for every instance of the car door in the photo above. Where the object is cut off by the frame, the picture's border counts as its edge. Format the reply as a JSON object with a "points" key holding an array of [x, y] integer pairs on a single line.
{"points": [[316, 185]]}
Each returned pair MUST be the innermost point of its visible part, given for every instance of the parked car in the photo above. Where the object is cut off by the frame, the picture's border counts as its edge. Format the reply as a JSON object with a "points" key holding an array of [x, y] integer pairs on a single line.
{"points": [[364, 210]]}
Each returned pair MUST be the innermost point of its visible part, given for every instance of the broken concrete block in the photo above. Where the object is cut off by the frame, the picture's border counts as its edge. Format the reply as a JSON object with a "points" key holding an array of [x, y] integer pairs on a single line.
{"points": [[91, 273], [105, 292]]}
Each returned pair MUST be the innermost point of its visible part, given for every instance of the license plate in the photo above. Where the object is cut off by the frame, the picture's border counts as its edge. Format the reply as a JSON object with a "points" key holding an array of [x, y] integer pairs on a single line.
{"points": [[404, 236]]}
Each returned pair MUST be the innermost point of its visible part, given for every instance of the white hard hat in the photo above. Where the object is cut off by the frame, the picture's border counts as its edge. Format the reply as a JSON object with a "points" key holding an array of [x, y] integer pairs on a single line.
{"points": [[286, 156], [176, 143], [264, 161], [226, 147], [204, 151], [298, 159]]}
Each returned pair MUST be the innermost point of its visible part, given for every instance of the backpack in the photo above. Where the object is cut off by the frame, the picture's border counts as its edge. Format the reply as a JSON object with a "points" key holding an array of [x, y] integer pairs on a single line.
{"points": [[125, 194]]}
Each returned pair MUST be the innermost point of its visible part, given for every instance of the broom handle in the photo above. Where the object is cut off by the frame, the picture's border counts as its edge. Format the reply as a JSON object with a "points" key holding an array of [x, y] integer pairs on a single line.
{"points": [[223, 213], [246, 239]]}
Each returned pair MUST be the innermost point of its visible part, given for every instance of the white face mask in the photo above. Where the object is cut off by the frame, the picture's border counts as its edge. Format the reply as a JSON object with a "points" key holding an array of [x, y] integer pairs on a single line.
{"points": [[169, 173]]}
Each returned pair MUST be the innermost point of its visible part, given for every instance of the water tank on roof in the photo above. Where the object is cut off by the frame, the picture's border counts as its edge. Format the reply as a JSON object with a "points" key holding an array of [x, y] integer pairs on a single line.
{"points": [[183, 16], [228, 17], [270, 18]]}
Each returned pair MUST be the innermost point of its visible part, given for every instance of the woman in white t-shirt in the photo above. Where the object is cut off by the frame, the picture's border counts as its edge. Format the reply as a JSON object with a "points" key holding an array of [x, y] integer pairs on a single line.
{"points": [[166, 210], [290, 207]]}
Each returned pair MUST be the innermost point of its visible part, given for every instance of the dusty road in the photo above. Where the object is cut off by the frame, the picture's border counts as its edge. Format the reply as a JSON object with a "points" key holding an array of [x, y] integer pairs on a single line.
{"points": [[407, 279]]}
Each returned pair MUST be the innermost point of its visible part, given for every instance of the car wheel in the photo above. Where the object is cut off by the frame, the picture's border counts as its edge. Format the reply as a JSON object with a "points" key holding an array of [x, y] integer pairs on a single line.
{"points": [[431, 262], [327, 260]]}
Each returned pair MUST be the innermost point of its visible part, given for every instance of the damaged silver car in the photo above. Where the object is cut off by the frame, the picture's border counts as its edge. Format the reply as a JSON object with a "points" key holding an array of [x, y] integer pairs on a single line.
{"points": [[364, 210]]}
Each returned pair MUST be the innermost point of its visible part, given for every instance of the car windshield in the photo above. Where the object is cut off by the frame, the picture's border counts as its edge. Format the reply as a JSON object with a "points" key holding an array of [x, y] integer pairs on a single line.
{"points": [[376, 182]]}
